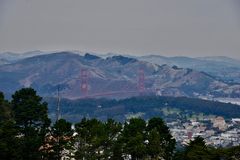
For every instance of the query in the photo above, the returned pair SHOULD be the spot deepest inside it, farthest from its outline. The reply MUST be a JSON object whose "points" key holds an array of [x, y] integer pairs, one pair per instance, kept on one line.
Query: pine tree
{"points": [[161, 143], [9, 144], [31, 118]]}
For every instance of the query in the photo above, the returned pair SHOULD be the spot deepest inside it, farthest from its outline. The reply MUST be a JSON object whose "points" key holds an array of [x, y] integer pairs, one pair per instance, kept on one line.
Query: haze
{"points": [[165, 27]]}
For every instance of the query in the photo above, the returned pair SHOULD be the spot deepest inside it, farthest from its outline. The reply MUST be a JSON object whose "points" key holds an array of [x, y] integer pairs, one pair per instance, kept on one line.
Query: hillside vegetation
{"points": [[145, 107], [26, 133]]}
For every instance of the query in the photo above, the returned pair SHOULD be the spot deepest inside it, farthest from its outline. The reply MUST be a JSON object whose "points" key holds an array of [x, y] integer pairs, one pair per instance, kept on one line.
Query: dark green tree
{"points": [[59, 141], [117, 150], [154, 148], [9, 146], [91, 139], [81, 139], [112, 130], [161, 144], [96, 139], [198, 150], [31, 118], [232, 153], [133, 138]]}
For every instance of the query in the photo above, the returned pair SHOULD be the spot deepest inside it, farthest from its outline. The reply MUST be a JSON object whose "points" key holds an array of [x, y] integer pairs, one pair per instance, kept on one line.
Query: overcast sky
{"points": [[165, 27]]}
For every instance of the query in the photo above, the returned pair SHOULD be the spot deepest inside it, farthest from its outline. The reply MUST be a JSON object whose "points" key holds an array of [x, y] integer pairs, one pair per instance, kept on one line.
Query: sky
{"points": [[192, 28]]}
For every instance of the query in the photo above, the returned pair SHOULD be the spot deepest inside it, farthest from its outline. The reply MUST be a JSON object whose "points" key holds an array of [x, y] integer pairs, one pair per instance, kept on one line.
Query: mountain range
{"points": [[115, 76], [222, 68]]}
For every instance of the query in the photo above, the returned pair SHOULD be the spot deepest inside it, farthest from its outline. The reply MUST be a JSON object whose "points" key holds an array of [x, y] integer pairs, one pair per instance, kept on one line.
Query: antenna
{"points": [[58, 105]]}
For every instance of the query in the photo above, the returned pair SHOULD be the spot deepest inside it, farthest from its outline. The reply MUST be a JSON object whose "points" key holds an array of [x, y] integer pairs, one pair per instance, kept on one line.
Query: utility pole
{"points": [[58, 105]]}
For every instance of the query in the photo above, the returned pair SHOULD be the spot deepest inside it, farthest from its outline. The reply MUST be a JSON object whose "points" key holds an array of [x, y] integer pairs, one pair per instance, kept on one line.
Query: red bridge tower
{"points": [[84, 82], [141, 79]]}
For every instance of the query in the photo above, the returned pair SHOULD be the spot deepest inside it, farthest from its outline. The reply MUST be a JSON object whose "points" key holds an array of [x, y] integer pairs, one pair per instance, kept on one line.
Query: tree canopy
{"points": [[31, 120], [26, 133]]}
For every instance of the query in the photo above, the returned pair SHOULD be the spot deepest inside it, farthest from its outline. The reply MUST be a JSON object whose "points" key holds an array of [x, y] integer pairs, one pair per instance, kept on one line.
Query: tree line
{"points": [[75, 110], [26, 133]]}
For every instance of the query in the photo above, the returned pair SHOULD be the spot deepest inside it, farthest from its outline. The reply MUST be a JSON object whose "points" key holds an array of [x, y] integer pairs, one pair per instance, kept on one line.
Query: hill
{"points": [[223, 68], [116, 74], [144, 107]]}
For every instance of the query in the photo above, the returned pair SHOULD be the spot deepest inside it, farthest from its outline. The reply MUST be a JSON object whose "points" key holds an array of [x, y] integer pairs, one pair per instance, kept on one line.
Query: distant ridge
{"points": [[221, 67], [116, 73]]}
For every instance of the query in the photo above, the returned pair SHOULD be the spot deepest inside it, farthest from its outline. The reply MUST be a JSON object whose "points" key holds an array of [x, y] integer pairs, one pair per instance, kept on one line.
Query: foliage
{"points": [[31, 120], [134, 137], [9, 146], [161, 143], [25, 133], [95, 139], [150, 106], [197, 150], [58, 143]]}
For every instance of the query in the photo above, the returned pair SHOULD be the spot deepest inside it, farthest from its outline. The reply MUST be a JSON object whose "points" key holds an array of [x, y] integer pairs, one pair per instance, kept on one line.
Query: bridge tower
{"points": [[84, 82], [141, 79]]}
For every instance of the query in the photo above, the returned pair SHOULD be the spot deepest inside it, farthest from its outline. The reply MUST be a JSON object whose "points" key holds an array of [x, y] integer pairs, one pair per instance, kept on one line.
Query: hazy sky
{"points": [[166, 27]]}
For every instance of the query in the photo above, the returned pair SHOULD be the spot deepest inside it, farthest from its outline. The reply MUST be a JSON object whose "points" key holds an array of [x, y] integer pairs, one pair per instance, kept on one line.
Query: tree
{"points": [[154, 147], [91, 139], [58, 143], [9, 146], [198, 150], [81, 139], [161, 143], [96, 139], [113, 130], [31, 118], [117, 150], [230, 153], [133, 138], [5, 109]]}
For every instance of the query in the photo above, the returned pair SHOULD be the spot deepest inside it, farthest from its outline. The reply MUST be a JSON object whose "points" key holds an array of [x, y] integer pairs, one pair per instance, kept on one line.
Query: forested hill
{"points": [[145, 107]]}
